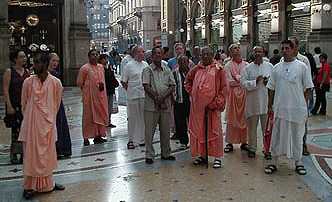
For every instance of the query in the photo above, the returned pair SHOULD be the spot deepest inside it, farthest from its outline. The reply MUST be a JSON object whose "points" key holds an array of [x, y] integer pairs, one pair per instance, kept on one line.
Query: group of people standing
{"points": [[249, 92], [188, 94]]}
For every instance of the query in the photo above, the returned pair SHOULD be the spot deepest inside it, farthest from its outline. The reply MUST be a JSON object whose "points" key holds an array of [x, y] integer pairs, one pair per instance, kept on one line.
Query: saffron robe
{"points": [[207, 88], [40, 104], [95, 104], [236, 129]]}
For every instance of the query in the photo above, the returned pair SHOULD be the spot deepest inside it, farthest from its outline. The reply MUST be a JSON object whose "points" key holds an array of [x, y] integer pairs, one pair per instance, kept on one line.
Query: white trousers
{"points": [[135, 113], [287, 139]]}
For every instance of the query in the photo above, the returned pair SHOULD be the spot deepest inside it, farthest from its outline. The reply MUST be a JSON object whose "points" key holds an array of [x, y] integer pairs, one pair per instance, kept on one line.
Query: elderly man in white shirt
{"points": [[288, 86], [131, 80], [254, 78]]}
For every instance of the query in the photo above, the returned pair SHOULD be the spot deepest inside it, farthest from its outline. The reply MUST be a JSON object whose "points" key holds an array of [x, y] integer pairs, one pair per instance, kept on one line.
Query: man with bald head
{"points": [[131, 80], [207, 87], [254, 79], [236, 129]]}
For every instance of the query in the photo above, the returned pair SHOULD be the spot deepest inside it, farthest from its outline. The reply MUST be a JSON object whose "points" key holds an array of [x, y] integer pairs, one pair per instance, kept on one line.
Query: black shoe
{"points": [[112, 126], [27, 194], [148, 161], [86, 142], [98, 140], [322, 113], [313, 113], [175, 137], [305, 151], [14, 159], [244, 147], [251, 154], [141, 145], [169, 158], [58, 187]]}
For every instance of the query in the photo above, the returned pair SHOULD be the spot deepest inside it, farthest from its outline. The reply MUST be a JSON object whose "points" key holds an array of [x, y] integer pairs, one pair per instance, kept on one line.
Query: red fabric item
{"points": [[325, 68], [268, 133]]}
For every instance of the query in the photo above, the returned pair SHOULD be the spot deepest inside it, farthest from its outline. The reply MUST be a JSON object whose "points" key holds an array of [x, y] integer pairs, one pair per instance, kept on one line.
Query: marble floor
{"points": [[110, 172]]}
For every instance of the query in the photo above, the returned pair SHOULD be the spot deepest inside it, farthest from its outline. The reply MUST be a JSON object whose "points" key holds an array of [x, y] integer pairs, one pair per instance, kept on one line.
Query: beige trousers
{"points": [[151, 121], [252, 122]]}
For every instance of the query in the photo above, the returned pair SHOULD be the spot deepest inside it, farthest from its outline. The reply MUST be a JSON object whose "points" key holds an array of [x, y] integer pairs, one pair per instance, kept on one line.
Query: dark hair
{"points": [[165, 49], [317, 50], [217, 56], [13, 55], [323, 55], [296, 41], [275, 51], [90, 51], [42, 58], [154, 49], [102, 56], [289, 42]]}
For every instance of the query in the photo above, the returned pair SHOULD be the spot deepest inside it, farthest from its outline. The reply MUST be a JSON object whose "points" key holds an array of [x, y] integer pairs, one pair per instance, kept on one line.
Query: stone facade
{"points": [[73, 40], [259, 22], [134, 22]]}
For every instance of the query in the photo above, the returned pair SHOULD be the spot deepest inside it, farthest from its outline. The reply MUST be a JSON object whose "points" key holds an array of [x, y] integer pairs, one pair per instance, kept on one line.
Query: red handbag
{"points": [[268, 133]]}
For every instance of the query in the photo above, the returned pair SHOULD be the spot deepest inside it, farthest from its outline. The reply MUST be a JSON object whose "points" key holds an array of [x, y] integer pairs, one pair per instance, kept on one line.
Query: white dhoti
{"points": [[287, 139], [135, 113]]}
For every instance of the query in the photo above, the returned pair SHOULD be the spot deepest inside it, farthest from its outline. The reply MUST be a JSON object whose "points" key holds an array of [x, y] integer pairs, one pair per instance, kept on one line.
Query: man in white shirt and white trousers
{"points": [[310, 98], [131, 80], [289, 84], [254, 78]]}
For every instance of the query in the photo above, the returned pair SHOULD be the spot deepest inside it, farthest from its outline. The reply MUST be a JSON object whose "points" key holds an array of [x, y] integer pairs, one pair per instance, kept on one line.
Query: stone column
{"points": [[76, 39], [4, 40], [321, 26], [228, 30], [278, 23], [247, 27]]}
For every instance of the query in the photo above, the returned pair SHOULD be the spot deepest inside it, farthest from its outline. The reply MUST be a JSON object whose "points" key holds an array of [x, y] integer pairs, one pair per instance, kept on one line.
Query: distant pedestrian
{"points": [[322, 85], [275, 59], [317, 51]]}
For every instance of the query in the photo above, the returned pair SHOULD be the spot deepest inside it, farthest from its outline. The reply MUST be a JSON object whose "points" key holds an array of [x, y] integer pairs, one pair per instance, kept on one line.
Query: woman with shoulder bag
{"points": [[322, 85], [13, 79]]}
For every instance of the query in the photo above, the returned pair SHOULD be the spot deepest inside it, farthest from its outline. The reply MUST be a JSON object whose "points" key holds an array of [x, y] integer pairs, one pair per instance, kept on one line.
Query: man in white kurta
{"points": [[310, 98], [288, 86], [131, 80], [254, 79]]}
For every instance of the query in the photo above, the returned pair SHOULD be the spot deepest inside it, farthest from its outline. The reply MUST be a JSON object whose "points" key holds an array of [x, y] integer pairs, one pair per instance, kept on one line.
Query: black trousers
{"points": [[181, 116], [320, 101]]}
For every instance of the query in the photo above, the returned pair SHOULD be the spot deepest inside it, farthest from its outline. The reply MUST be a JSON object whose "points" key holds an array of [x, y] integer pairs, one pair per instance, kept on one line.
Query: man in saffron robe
{"points": [[206, 84], [41, 98], [91, 80], [236, 129]]}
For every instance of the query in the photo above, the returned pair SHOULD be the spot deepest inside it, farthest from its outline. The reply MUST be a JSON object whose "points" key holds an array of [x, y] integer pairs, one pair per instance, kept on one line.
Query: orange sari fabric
{"points": [[95, 107], [208, 91]]}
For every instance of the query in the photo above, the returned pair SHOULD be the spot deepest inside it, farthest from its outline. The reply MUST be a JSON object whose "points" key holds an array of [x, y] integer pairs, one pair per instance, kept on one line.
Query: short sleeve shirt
{"points": [[133, 75], [160, 81]]}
